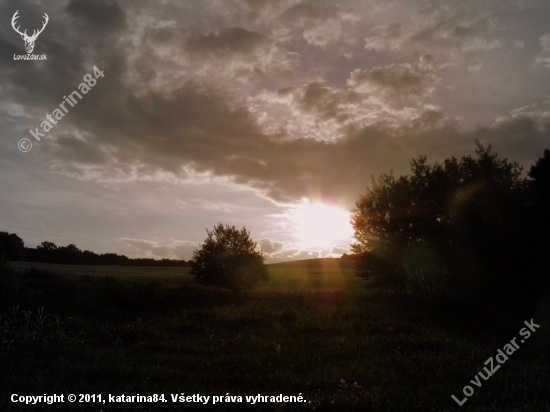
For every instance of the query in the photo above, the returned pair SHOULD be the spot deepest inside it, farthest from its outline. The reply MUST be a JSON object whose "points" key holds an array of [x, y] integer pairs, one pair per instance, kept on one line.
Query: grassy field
{"points": [[312, 330], [125, 274]]}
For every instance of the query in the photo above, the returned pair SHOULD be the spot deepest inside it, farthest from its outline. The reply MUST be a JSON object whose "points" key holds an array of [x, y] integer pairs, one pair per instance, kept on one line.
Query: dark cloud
{"points": [[388, 38], [79, 151], [319, 24], [270, 247], [233, 41], [268, 6], [311, 11], [328, 103], [198, 130], [440, 25], [399, 84], [98, 16], [232, 54], [521, 135]]}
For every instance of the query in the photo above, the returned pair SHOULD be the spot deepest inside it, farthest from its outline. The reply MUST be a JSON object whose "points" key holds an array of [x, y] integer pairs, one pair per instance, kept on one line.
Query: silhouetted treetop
{"points": [[229, 258]]}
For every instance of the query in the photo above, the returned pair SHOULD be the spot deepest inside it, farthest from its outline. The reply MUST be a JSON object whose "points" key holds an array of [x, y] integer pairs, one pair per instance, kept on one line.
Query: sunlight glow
{"points": [[317, 224]]}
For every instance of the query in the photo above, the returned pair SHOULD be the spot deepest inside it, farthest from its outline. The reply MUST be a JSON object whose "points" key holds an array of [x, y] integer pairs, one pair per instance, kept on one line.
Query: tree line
{"points": [[227, 258], [12, 248], [472, 226]]}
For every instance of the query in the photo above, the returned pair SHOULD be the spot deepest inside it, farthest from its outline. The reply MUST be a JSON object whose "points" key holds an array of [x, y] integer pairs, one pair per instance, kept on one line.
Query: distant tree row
{"points": [[472, 226], [12, 248], [227, 258]]}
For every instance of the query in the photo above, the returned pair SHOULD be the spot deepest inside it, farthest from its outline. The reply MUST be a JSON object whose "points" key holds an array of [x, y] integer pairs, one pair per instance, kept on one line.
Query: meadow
{"points": [[313, 330]]}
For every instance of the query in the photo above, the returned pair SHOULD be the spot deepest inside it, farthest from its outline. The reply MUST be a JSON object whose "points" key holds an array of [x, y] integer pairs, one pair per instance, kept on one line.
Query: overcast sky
{"points": [[251, 112]]}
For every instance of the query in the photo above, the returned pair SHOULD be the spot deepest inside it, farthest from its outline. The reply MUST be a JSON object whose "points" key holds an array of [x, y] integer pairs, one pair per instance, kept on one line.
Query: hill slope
{"points": [[325, 263]]}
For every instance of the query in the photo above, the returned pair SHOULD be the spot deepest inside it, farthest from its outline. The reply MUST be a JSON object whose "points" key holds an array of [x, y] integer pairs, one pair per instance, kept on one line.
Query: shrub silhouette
{"points": [[228, 258]]}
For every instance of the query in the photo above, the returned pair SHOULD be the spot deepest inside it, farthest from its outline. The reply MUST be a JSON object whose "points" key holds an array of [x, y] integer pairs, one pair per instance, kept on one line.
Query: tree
{"points": [[11, 247], [450, 224], [70, 255], [47, 246], [539, 189], [229, 258], [537, 219]]}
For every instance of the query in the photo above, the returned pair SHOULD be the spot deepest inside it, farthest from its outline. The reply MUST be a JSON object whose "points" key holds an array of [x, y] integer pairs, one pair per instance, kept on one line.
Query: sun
{"points": [[320, 225]]}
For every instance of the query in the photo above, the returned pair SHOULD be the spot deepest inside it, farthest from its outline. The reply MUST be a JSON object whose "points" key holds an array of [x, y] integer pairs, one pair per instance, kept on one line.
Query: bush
{"points": [[228, 258]]}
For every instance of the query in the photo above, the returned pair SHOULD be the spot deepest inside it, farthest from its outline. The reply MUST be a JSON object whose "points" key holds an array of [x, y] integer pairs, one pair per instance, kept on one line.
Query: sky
{"points": [[268, 114]]}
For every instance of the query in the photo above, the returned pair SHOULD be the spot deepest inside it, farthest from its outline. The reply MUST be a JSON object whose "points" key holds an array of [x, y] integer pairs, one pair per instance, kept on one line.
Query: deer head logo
{"points": [[29, 40]]}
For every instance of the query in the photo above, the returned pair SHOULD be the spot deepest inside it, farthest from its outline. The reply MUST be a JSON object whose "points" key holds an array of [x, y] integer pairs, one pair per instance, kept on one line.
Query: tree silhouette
{"points": [[453, 224], [536, 218], [12, 247], [228, 258], [49, 252]]}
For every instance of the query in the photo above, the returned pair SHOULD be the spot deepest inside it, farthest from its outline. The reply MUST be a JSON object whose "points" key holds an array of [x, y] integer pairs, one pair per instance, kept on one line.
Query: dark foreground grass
{"points": [[320, 336]]}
